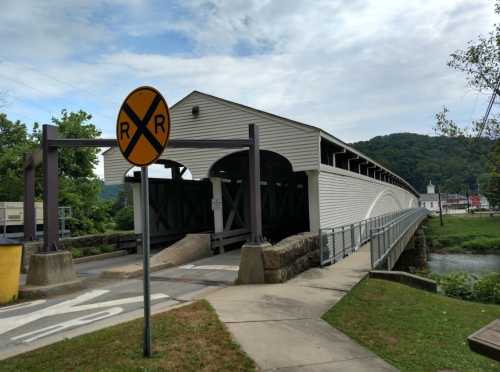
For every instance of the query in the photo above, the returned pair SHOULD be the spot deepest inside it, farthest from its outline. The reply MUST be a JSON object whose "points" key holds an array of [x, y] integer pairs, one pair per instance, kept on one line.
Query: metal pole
{"points": [[145, 255], [50, 191], [254, 185], [467, 196], [440, 208]]}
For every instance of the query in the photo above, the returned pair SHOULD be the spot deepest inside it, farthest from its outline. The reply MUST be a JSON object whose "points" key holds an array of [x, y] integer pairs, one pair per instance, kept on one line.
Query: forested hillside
{"points": [[452, 163]]}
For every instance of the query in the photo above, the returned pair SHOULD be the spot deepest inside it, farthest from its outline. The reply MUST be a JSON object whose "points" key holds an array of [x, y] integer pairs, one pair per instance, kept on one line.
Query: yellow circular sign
{"points": [[143, 126]]}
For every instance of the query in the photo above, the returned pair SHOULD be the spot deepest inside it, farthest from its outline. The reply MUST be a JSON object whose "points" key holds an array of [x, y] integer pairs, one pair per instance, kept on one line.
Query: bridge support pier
{"points": [[415, 254]]}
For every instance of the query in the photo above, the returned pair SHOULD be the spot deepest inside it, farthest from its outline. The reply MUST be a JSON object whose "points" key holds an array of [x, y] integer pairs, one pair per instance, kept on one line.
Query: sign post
{"points": [[145, 258], [142, 131]]}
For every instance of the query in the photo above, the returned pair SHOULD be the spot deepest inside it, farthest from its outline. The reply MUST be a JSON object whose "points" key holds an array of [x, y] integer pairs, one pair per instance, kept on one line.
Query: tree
{"points": [[492, 189], [447, 161], [14, 143], [480, 62], [79, 187]]}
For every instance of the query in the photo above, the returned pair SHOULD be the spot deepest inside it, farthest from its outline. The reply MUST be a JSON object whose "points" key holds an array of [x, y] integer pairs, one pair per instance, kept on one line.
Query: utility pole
{"points": [[440, 208], [467, 196]]}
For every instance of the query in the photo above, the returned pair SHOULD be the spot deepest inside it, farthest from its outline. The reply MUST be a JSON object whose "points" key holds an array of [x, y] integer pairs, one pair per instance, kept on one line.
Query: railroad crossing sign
{"points": [[142, 131], [143, 126]]}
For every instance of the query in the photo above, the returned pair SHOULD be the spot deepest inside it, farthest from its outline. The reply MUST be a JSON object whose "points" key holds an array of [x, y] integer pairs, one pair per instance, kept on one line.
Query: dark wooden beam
{"points": [[173, 143], [50, 191]]}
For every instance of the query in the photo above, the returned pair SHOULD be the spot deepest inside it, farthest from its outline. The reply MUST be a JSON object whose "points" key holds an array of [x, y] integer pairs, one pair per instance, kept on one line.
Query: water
{"points": [[470, 263]]}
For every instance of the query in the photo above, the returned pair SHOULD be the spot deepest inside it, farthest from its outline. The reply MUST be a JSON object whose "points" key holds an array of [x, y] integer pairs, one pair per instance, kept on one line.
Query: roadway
{"points": [[104, 302]]}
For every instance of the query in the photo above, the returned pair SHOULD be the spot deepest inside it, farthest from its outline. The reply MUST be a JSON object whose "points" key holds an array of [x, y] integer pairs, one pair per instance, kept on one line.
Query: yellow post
{"points": [[10, 269]]}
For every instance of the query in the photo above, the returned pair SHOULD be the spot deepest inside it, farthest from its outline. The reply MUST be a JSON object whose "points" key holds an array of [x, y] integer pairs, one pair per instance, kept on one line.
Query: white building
{"points": [[310, 179]]}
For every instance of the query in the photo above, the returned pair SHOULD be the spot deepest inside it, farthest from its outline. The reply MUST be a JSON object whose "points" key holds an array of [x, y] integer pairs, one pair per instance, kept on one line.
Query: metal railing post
{"points": [[352, 238], [334, 253], [372, 249], [343, 241], [320, 248]]}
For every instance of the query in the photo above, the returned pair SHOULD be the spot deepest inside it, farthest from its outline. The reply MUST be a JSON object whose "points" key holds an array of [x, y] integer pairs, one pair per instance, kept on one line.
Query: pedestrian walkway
{"points": [[280, 325]]}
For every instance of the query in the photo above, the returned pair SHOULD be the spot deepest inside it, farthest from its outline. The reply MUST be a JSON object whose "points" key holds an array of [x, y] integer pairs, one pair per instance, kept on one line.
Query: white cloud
{"points": [[356, 68]]}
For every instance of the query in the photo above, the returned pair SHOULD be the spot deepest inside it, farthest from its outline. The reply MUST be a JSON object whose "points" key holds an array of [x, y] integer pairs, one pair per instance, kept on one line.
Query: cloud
{"points": [[357, 69]]}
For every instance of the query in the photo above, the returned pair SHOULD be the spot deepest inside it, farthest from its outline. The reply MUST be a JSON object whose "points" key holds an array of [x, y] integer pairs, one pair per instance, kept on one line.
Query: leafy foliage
{"points": [[125, 218], [14, 143], [79, 187], [465, 286], [452, 163], [493, 183], [480, 62]]}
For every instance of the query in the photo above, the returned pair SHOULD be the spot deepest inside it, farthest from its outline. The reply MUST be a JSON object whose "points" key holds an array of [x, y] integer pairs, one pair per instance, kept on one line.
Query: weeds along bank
{"points": [[470, 236]]}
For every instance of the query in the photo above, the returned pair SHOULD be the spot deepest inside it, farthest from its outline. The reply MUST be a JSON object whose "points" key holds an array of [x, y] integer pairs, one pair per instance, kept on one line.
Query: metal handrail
{"points": [[64, 213], [340, 241], [385, 238]]}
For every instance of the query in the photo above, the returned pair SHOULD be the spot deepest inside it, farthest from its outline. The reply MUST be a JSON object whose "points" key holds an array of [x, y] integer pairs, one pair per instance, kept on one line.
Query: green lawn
{"points": [[412, 329], [189, 338], [465, 234]]}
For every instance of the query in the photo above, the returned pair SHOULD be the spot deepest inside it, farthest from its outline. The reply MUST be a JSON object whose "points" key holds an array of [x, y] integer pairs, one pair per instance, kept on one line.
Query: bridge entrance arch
{"points": [[284, 195], [178, 204]]}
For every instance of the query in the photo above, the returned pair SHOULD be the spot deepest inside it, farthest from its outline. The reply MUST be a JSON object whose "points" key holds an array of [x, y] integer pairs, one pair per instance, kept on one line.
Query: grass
{"points": [[464, 234], [91, 251], [412, 329], [190, 338]]}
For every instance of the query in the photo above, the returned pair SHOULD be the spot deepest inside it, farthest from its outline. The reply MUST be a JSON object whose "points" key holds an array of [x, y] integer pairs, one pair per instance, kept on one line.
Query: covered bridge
{"points": [[309, 178]]}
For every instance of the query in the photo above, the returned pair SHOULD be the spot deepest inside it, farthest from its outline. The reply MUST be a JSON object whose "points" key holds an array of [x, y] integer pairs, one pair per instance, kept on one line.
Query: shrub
{"points": [[76, 253], [482, 244], [106, 248], [458, 285], [94, 251], [487, 289], [125, 218]]}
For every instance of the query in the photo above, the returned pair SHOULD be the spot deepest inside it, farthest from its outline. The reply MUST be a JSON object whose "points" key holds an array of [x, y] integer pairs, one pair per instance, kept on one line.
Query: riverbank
{"points": [[464, 234], [412, 329]]}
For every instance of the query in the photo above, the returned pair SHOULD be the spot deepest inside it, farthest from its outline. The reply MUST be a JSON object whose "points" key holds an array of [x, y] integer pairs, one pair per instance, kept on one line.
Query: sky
{"points": [[355, 68]]}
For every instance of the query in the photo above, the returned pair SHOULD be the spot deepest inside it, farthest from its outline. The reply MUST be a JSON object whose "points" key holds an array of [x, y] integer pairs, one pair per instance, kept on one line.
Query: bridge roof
{"points": [[322, 132]]}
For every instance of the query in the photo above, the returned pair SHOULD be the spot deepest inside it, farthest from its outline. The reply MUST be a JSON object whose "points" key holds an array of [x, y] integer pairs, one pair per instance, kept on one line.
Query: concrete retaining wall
{"points": [[75, 242], [290, 257], [408, 279]]}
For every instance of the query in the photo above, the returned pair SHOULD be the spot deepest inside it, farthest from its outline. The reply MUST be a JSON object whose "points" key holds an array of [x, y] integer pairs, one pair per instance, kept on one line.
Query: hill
{"points": [[110, 192], [453, 163]]}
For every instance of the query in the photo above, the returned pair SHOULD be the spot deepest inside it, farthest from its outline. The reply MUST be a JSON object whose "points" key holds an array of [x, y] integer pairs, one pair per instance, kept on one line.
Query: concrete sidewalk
{"points": [[280, 325]]}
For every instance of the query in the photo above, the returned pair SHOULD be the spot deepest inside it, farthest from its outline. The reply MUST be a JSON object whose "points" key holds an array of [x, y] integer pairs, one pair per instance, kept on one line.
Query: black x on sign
{"points": [[143, 126]]}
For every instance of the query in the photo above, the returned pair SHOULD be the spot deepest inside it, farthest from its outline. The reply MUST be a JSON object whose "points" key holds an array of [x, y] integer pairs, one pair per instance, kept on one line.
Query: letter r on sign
{"points": [[159, 121], [124, 127]]}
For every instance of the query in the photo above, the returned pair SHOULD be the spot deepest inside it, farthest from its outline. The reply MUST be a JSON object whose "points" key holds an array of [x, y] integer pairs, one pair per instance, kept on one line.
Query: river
{"points": [[471, 263]]}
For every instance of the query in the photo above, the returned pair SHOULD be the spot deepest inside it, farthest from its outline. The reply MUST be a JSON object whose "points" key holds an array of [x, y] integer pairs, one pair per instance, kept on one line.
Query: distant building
{"points": [[431, 199], [431, 189], [451, 203], [479, 202]]}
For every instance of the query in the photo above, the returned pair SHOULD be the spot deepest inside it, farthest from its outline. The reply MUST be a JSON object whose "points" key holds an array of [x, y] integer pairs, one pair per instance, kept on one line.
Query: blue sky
{"points": [[356, 68]]}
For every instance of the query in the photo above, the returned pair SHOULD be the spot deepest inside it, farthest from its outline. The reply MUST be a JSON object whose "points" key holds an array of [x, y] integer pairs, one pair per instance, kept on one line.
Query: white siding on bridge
{"points": [[347, 197], [220, 119]]}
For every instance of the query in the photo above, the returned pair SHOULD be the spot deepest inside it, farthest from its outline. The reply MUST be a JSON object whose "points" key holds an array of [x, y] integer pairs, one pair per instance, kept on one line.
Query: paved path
{"points": [[30, 325], [280, 326]]}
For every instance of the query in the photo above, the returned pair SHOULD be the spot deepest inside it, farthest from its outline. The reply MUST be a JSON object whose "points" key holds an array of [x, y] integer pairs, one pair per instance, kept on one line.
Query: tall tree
{"points": [[480, 62], [14, 143], [79, 187]]}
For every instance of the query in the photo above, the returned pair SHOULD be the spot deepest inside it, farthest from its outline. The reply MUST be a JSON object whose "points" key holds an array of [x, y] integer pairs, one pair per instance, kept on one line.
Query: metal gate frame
{"points": [[47, 155]]}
